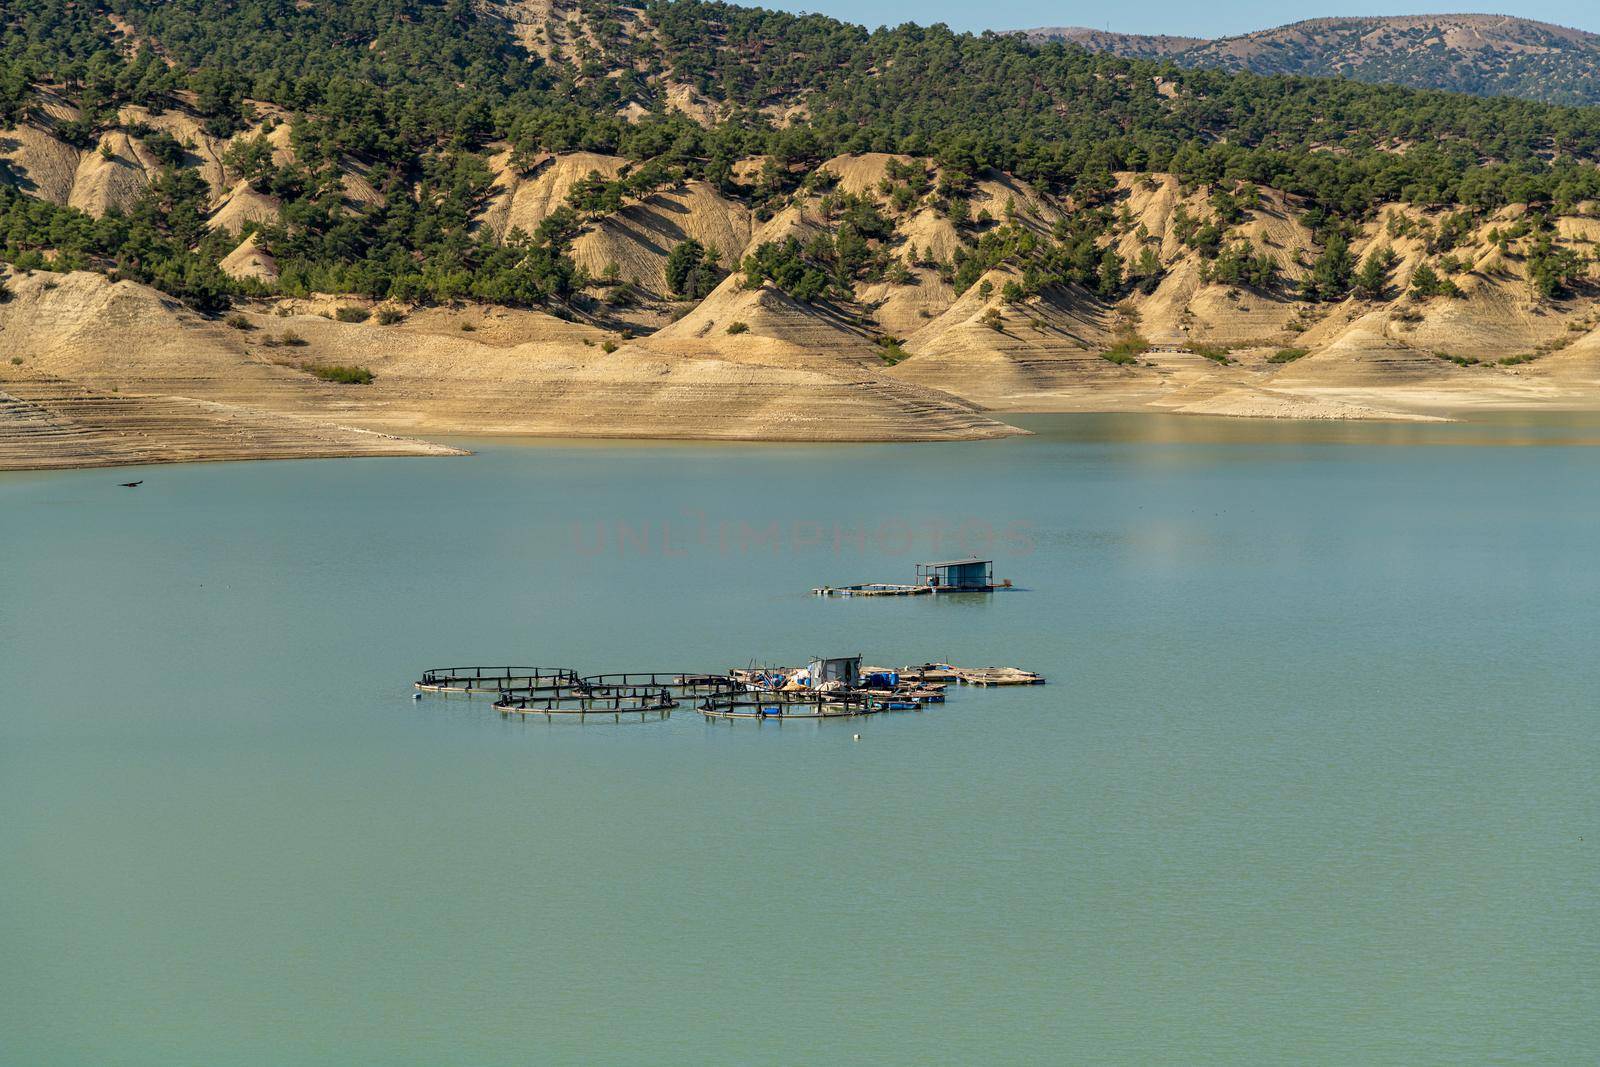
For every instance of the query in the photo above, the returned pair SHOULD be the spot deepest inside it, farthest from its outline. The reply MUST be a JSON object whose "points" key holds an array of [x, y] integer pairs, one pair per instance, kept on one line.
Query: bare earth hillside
{"points": [[98, 363], [106, 373], [664, 264]]}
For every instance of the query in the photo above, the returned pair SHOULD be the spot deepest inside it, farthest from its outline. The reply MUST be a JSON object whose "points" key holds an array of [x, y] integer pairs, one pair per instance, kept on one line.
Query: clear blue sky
{"points": [[1182, 17]]}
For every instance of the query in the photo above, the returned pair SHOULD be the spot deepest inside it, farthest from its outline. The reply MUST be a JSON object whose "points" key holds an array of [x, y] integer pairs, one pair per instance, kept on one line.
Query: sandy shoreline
{"points": [[173, 430]]}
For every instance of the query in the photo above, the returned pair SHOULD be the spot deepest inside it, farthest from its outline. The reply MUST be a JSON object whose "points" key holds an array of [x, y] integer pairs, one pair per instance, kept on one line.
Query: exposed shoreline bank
{"points": [[240, 435], [111, 373]]}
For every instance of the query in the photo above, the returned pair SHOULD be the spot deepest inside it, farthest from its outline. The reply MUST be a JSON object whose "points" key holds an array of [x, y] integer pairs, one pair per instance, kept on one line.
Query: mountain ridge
{"points": [[1482, 54]]}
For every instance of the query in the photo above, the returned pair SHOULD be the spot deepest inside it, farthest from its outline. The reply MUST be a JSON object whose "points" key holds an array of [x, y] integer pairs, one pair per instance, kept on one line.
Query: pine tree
{"points": [[1110, 275], [1148, 269], [1425, 281], [1373, 277], [1330, 275]]}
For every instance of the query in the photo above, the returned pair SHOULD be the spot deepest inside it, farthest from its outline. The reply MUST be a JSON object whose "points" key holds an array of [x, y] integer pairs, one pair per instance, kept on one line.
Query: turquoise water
{"points": [[1314, 778]]}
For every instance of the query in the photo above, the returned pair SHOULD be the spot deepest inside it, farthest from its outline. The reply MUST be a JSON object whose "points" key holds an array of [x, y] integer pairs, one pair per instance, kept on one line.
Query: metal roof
{"points": [[958, 562]]}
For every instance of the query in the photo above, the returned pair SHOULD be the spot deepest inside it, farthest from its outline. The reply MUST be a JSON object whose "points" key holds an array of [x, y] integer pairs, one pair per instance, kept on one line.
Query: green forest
{"points": [[417, 91]]}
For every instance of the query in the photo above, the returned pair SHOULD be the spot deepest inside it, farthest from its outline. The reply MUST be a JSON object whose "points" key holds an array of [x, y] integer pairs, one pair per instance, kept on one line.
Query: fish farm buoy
{"points": [[855, 737], [416, 696]]}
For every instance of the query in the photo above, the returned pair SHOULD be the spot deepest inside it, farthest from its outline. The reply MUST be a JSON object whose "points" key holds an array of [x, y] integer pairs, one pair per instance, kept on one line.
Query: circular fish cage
{"points": [[587, 700], [671, 681], [560, 692], [492, 681], [763, 705]]}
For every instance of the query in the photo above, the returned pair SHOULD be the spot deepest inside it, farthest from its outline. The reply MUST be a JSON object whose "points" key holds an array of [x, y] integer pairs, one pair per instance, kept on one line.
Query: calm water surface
{"points": [[1314, 779]]}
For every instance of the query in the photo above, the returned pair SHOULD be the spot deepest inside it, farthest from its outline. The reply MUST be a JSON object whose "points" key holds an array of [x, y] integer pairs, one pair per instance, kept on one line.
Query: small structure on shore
{"points": [[946, 576]]}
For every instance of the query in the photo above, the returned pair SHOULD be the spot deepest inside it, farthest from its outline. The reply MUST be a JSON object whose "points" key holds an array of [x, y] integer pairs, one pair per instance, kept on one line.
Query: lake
{"points": [[1313, 779]]}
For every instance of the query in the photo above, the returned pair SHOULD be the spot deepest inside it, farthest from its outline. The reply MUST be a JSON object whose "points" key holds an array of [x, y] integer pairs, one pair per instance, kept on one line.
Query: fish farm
{"points": [[826, 688]]}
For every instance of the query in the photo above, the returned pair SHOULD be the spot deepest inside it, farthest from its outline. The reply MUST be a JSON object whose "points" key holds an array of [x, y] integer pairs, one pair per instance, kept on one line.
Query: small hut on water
{"points": [[947, 576], [958, 575]]}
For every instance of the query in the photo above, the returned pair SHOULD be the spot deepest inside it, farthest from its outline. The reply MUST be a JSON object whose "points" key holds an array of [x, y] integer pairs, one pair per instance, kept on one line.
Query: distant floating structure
{"points": [[971, 575]]}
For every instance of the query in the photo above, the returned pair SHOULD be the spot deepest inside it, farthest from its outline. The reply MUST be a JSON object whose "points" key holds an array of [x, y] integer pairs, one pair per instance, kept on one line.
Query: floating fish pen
{"points": [[584, 701], [802, 704], [492, 681], [673, 681]]}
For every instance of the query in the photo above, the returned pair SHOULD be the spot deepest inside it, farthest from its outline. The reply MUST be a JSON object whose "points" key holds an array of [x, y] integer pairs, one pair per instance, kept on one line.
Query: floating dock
{"points": [[922, 672], [997, 676], [872, 589]]}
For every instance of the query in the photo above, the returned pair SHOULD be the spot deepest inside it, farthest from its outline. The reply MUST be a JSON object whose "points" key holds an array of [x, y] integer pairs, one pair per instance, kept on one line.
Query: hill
{"points": [[689, 219], [1488, 55]]}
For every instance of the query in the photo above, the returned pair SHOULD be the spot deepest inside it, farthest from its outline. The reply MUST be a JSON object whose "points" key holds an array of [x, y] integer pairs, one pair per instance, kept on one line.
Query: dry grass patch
{"points": [[1215, 353], [340, 373], [890, 352], [1127, 349]]}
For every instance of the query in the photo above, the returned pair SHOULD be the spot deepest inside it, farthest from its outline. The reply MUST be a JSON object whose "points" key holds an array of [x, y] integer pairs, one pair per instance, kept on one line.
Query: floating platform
{"points": [[873, 589], [997, 676], [876, 681], [892, 589], [923, 672]]}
